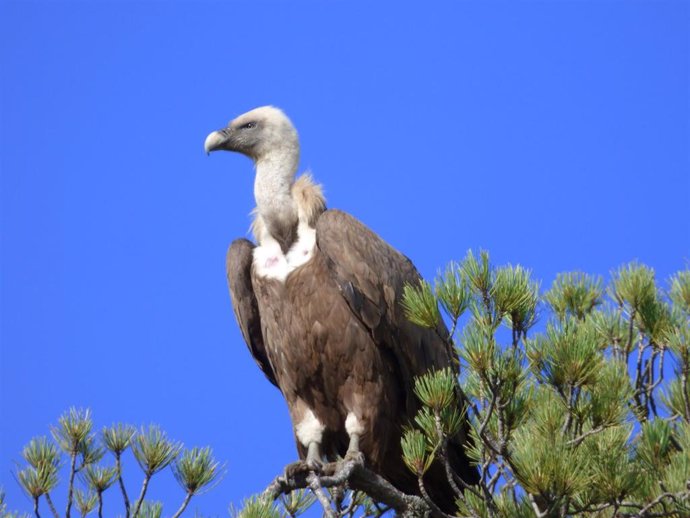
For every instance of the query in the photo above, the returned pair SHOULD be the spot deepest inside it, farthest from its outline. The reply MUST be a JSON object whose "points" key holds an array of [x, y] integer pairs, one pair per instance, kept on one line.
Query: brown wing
{"points": [[371, 275], [238, 266]]}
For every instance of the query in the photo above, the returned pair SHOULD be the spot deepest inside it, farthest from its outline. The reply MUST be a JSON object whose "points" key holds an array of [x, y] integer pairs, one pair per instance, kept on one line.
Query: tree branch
{"points": [[358, 478], [142, 494], [578, 440], [52, 506], [70, 487], [184, 504], [315, 486], [118, 466]]}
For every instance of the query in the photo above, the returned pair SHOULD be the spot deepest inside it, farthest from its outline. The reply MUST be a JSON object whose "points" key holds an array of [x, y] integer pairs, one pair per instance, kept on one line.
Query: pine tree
{"points": [[195, 469], [587, 417]]}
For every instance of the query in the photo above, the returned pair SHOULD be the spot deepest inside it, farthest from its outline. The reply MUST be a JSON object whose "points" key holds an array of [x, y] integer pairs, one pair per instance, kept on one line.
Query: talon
{"points": [[355, 456], [296, 468], [314, 465]]}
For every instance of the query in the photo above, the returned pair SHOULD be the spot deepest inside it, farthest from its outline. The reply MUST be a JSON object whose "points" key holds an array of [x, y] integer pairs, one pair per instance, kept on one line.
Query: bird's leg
{"points": [[314, 456], [309, 432], [353, 452], [354, 429]]}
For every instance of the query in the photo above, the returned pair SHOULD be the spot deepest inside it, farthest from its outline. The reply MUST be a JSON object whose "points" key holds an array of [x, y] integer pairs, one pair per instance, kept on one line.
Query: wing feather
{"points": [[238, 267], [371, 275]]}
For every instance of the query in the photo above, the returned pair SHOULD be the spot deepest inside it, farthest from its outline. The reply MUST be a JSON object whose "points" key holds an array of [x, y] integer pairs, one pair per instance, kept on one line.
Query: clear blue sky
{"points": [[553, 134]]}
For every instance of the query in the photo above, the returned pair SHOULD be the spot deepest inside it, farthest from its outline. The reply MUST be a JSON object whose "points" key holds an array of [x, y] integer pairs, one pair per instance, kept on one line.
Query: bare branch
{"points": [[51, 505], [142, 494], [70, 487], [315, 486], [184, 504], [435, 510], [578, 440], [358, 478], [118, 466]]}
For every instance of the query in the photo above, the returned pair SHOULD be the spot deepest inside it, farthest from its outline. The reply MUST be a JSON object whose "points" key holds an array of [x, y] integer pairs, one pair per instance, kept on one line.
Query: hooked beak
{"points": [[217, 140]]}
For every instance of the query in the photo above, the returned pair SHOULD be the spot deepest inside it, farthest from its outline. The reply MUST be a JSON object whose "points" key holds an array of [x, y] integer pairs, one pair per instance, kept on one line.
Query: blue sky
{"points": [[554, 134]]}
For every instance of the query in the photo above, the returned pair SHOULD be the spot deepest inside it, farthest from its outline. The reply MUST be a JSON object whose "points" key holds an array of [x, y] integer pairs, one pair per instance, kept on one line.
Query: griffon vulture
{"points": [[318, 302]]}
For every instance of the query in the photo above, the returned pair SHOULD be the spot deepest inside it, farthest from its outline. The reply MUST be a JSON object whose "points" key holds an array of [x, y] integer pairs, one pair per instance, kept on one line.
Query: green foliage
{"points": [[420, 305], [680, 291], [610, 468], [676, 398], [73, 429], [437, 390], [452, 291], [40, 451], [153, 450], [514, 297], [581, 419], [588, 418], [196, 469], [150, 510], [118, 437], [610, 328], [100, 478], [416, 452], [574, 295], [86, 501], [36, 482], [604, 403], [256, 507], [566, 355], [654, 445], [478, 273], [297, 502], [91, 452], [545, 464], [633, 284]]}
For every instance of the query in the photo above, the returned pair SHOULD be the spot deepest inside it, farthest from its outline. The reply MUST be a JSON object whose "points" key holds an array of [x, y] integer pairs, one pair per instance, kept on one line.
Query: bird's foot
{"points": [[353, 452], [303, 467], [355, 456]]}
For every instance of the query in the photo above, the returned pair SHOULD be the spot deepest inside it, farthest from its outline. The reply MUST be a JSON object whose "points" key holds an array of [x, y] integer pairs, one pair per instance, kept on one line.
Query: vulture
{"points": [[318, 301]]}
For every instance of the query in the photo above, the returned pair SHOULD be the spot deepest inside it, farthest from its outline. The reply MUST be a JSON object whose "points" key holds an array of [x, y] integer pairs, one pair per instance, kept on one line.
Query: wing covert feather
{"points": [[238, 267], [371, 275]]}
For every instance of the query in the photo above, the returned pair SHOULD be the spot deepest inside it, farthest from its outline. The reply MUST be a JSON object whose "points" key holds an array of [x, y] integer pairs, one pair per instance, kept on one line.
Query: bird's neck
{"points": [[275, 174]]}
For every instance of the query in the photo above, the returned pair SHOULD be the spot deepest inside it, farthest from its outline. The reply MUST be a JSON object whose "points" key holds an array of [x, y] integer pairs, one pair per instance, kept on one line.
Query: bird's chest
{"points": [[271, 263], [302, 318]]}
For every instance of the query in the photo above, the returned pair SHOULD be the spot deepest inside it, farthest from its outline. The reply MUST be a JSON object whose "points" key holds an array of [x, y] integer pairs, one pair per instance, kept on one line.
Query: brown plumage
{"points": [[321, 314]]}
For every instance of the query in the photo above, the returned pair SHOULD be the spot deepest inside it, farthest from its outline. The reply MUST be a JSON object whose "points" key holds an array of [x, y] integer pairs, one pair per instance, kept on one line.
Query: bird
{"points": [[318, 301]]}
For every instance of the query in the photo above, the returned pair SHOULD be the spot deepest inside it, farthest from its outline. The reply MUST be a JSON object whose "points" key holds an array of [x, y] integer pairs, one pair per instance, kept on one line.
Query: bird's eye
{"points": [[249, 125]]}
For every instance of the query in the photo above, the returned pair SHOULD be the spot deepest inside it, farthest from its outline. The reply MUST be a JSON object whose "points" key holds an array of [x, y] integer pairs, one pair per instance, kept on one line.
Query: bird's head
{"points": [[256, 134]]}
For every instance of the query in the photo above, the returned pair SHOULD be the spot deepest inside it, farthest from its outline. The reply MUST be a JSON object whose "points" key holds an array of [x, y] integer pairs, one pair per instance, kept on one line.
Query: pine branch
{"points": [[580, 438], [184, 504], [142, 494], [435, 510], [317, 490], [118, 467], [36, 506], [684, 388], [100, 504], [70, 487], [51, 506]]}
